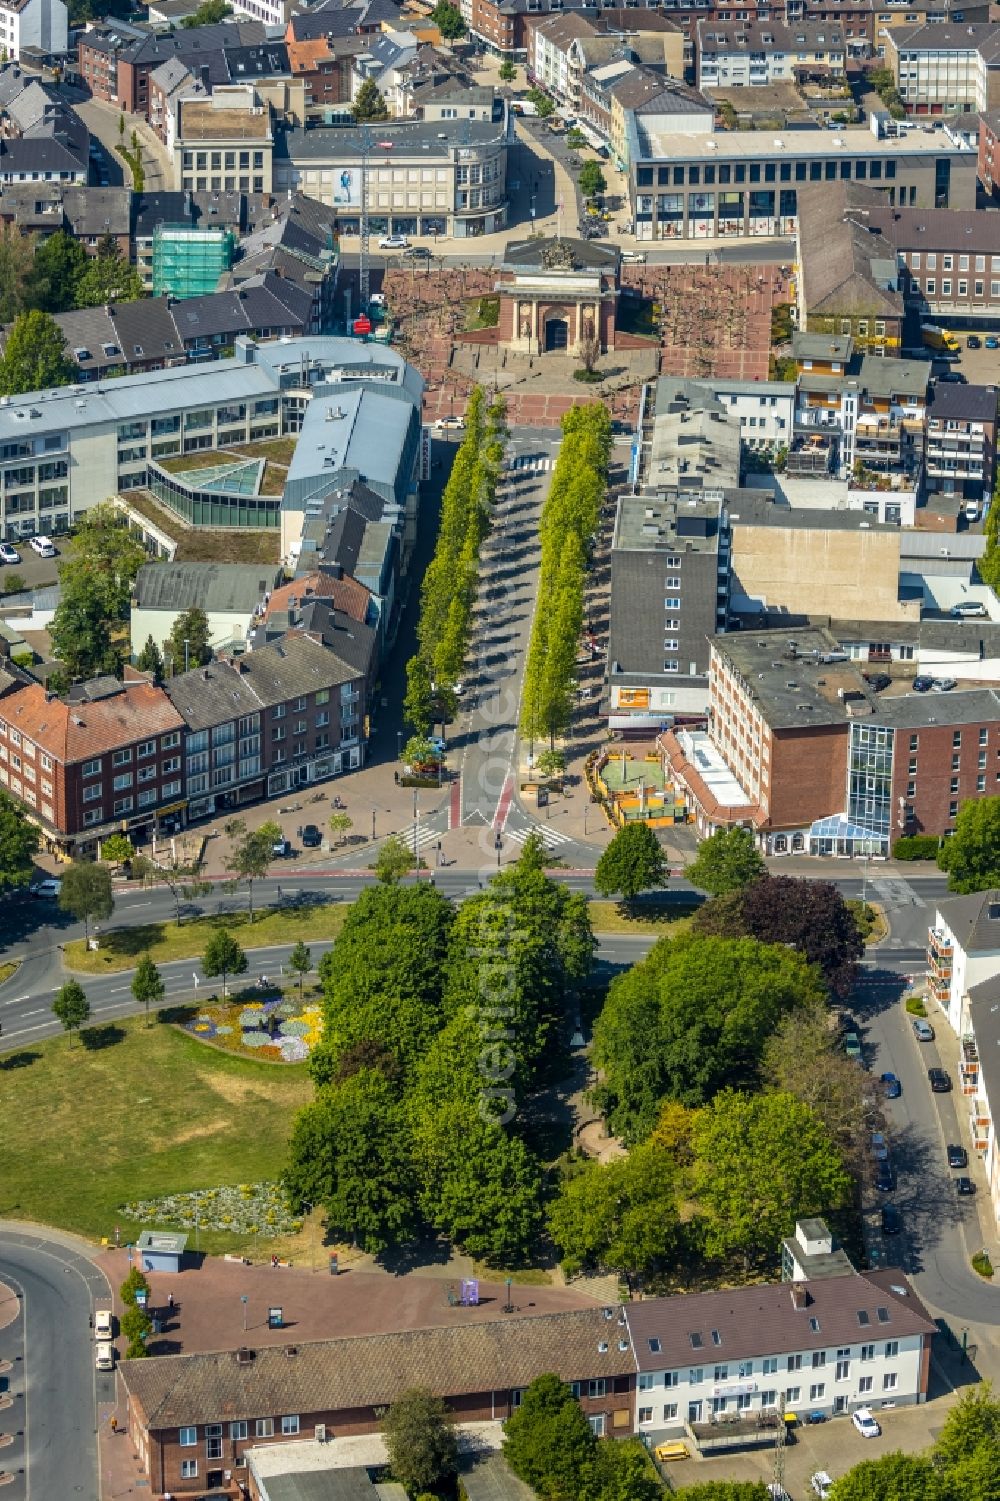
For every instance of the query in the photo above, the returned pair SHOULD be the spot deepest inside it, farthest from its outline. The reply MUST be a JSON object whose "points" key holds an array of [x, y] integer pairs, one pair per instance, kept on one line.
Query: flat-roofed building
{"points": [[224, 142], [741, 184]]}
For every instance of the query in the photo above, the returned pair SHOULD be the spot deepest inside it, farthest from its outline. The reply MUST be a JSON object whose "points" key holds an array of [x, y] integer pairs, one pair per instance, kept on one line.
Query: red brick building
{"points": [[192, 1417], [556, 294], [803, 750]]}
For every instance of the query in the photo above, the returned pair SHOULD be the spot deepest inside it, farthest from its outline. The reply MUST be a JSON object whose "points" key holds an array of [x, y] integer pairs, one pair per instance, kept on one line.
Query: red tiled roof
{"points": [[77, 731], [345, 593]]}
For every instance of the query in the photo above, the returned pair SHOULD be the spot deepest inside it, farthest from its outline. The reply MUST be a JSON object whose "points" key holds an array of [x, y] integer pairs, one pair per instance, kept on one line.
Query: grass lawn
{"points": [[121, 947], [9, 969], [140, 1113], [662, 922], [247, 546], [482, 312]]}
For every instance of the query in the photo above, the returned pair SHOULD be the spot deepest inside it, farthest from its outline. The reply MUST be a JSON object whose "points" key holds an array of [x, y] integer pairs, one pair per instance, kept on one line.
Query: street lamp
{"points": [[373, 823], [399, 745]]}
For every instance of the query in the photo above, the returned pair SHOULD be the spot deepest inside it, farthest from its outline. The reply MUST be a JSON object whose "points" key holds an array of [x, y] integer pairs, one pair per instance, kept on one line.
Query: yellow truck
{"points": [[939, 338]]}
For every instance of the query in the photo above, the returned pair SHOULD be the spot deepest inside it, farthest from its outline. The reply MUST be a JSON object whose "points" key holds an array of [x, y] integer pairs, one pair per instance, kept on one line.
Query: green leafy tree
{"points": [[188, 644], [369, 105], [58, 264], [892, 1477], [18, 845], [417, 703], [690, 1019], [418, 751], [619, 1471], [300, 963], [71, 1006], [393, 861], [551, 762], [106, 547], [618, 1216], [86, 893], [592, 180], [34, 356], [480, 1185], [81, 633], [547, 1441], [420, 1442], [136, 1326], [966, 1453], [809, 916], [508, 72], [632, 863], [544, 106], [350, 1151], [727, 861], [972, 855], [208, 13], [117, 849], [223, 956], [252, 853], [448, 20], [121, 125], [341, 825], [150, 659], [108, 277], [147, 984], [761, 1163], [135, 1282], [384, 985], [726, 1490], [16, 262]]}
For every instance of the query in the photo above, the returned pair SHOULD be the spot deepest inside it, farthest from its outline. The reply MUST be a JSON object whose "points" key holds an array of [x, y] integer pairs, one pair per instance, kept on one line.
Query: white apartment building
{"points": [[831, 1344], [33, 23], [963, 977], [940, 68], [748, 53]]}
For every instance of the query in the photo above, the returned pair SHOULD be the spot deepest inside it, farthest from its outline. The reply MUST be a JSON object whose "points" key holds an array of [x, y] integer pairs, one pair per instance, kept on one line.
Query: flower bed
{"points": [[276, 1028], [243, 1209]]}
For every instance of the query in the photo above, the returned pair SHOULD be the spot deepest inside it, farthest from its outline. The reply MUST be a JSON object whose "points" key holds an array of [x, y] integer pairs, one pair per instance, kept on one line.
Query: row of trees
{"points": [[570, 517], [56, 274], [438, 1028], [448, 594]]}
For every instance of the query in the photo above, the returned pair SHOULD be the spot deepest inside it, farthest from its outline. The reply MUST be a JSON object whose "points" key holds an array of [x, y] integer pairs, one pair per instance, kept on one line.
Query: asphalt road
{"points": [[58, 1395]]}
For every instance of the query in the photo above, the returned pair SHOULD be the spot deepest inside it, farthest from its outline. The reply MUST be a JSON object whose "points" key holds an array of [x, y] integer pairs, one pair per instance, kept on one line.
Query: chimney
{"points": [[800, 1295]]}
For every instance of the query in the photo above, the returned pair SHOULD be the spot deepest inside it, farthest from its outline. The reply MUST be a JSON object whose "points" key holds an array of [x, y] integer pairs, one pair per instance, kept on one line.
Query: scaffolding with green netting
{"points": [[187, 262]]}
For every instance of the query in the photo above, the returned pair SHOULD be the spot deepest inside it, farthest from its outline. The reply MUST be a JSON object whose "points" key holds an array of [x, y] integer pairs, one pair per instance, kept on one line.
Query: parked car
{"points": [[944, 685], [852, 1045], [973, 609], [394, 242], [991, 341], [674, 1449], [43, 546], [9, 554], [821, 1484], [940, 1080], [922, 683], [885, 1178], [965, 1185], [880, 1147], [104, 1324], [922, 1030], [973, 342], [893, 1088], [865, 1422], [892, 1220], [877, 681], [50, 887], [104, 1356], [417, 253], [957, 1156], [450, 425], [281, 849], [953, 378], [311, 837]]}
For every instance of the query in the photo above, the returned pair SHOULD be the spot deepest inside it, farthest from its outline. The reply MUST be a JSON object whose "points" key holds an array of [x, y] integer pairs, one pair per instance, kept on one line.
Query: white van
{"points": [[104, 1356], [103, 1324], [634, 257]]}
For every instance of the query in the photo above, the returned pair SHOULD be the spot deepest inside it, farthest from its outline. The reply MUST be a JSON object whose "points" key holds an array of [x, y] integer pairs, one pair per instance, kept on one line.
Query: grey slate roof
{"points": [[371, 1370], [590, 254], [754, 1321], [211, 695], [97, 211], [974, 920], [322, 1485], [203, 586], [963, 403]]}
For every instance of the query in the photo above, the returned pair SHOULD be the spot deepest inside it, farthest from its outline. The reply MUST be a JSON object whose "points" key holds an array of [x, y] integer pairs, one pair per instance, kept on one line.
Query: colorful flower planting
{"points": [[276, 1028], [244, 1209]]}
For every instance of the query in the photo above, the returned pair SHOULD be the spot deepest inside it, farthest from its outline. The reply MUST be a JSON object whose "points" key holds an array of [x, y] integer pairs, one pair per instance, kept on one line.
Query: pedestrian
{"points": [[90, 1320], [170, 1300], [114, 1425]]}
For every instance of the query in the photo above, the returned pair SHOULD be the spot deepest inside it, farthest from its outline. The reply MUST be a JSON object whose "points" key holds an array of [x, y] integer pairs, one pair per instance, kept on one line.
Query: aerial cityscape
{"points": [[499, 750]]}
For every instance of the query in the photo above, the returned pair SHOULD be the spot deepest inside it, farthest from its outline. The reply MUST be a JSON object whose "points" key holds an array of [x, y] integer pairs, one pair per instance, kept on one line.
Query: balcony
{"points": [[968, 1066], [940, 952], [980, 1123]]}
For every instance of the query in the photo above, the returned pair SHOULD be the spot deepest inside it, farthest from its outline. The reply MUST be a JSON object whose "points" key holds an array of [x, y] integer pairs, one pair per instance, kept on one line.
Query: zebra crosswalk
{"points": [[549, 836], [424, 835], [530, 463]]}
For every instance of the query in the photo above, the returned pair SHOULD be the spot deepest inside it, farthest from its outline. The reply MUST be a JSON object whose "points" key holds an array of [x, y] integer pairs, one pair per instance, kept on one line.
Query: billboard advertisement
{"points": [[347, 187]]}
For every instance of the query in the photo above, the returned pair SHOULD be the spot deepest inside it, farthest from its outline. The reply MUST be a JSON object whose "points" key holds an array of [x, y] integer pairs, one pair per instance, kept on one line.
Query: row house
{"points": [[963, 979], [115, 756], [939, 69], [717, 1368], [765, 52], [949, 261]]}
